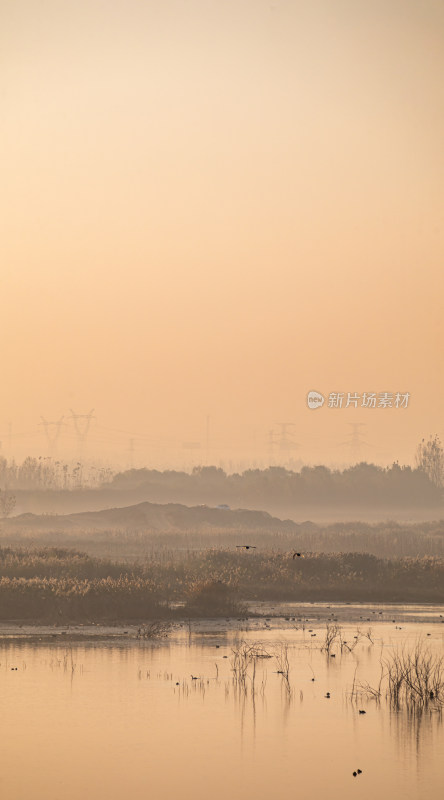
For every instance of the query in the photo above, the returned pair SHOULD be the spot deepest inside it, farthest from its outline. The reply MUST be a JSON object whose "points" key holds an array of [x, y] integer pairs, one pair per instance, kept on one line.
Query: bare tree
{"points": [[430, 459], [7, 504]]}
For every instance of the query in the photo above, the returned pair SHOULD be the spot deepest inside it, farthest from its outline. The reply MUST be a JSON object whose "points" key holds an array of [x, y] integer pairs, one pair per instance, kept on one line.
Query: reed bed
{"points": [[415, 677], [38, 583], [409, 677]]}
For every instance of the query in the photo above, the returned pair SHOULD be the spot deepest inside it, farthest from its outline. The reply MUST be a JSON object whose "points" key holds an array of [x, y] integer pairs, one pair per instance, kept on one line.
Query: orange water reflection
{"points": [[107, 720]]}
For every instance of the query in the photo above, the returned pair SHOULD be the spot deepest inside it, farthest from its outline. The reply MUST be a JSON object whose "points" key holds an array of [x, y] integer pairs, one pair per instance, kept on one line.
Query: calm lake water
{"points": [[122, 717]]}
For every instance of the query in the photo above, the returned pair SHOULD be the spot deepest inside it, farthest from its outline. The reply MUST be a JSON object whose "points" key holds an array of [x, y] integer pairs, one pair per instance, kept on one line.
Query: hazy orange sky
{"points": [[210, 208]]}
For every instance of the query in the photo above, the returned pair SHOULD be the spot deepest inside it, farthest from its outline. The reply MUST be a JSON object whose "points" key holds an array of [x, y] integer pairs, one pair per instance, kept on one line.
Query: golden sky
{"points": [[211, 207]]}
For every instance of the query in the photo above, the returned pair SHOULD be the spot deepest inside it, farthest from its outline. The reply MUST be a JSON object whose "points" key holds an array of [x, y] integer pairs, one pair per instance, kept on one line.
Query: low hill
{"points": [[151, 517]]}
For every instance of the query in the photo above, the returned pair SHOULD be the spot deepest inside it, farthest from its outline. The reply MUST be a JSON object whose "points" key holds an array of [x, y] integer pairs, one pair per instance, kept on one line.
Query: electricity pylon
{"points": [[271, 444], [82, 424], [285, 440], [355, 443], [52, 433], [131, 454]]}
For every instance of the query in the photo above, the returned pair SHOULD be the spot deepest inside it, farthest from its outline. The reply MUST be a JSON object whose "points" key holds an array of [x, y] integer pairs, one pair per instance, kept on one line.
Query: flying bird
{"points": [[247, 546]]}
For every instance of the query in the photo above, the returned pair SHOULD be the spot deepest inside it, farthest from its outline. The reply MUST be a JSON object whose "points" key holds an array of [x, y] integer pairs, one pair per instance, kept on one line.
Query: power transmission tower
{"points": [[82, 424], [355, 442], [131, 454], [271, 444], [207, 441], [9, 438], [52, 433], [285, 440]]}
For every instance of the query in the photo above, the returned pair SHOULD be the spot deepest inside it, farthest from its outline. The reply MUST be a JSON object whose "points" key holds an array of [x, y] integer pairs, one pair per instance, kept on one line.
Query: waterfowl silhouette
{"points": [[247, 546], [299, 555]]}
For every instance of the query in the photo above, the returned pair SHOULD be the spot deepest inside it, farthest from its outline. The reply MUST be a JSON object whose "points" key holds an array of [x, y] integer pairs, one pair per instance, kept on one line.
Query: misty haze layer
{"points": [[210, 209]]}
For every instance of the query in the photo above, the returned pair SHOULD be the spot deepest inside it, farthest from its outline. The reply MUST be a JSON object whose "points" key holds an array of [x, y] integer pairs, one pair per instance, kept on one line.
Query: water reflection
{"points": [[180, 717]]}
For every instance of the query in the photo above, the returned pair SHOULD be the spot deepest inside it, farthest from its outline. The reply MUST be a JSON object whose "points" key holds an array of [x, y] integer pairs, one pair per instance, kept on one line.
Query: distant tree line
{"points": [[363, 483], [45, 472]]}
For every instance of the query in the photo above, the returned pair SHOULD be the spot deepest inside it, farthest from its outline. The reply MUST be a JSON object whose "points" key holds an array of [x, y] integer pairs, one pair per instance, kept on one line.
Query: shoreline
{"points": [[260, 616]]}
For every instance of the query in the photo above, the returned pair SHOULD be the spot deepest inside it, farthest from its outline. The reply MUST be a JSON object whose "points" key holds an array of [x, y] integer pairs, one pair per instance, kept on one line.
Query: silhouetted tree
{"points": [[430, 459], [7, 504]]}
